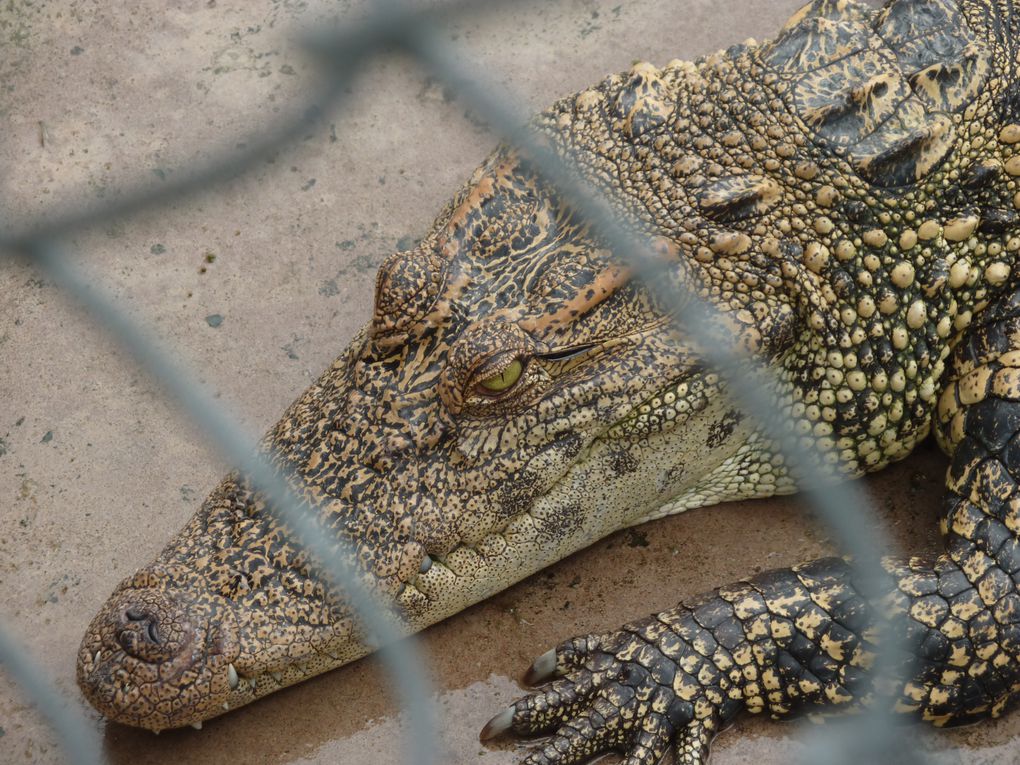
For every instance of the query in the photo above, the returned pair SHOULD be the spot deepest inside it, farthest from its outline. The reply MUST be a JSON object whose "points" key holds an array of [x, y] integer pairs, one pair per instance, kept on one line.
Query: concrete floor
{"points": [[257, 285]]}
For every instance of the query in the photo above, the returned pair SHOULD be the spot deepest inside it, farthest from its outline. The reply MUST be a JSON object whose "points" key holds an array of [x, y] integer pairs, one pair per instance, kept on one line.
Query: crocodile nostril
{"points": [[146, 625], [139, 631]]}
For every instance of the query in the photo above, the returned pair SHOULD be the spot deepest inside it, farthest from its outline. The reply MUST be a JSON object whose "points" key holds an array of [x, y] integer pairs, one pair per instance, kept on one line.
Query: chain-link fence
{"points": [[416, 32]]}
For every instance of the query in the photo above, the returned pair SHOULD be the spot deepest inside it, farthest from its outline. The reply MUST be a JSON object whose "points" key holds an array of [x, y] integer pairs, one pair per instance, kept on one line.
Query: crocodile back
{"points": [[884, 89]]}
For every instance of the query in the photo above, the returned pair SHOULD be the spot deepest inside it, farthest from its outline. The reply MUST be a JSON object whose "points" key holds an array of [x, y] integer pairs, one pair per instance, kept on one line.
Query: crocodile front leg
{"points": [[797, 639], [777, 642]]}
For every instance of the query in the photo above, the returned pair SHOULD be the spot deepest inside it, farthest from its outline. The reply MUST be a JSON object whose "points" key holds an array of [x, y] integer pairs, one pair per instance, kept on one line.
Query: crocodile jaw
{"points": [[622, 479]]}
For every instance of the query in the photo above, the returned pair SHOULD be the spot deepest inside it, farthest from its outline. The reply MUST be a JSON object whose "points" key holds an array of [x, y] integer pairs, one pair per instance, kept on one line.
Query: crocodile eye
{"points": [[502, 382]]}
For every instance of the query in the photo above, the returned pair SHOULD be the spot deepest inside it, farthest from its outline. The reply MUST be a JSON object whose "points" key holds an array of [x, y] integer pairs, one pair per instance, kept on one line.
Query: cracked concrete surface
{"points": [[257, 285]]}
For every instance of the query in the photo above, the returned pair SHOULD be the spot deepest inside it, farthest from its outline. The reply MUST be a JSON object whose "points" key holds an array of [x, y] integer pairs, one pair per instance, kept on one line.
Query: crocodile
{"points": [[845, 196]]}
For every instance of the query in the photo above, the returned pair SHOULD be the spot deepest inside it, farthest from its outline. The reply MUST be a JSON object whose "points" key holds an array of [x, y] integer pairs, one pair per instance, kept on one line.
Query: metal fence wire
{"points": [[415, 31]]}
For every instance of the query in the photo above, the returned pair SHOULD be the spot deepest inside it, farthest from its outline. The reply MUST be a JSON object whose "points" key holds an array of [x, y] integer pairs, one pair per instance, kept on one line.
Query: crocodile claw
{"points": [[615, 692], [498, 725], [543, 668]]}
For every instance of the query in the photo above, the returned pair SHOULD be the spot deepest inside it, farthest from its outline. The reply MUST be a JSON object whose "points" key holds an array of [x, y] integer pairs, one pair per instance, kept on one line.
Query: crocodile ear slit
{"points": [[565, 354]]}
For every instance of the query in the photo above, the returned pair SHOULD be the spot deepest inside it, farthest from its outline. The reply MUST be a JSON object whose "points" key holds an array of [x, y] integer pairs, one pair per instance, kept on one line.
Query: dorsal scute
{"points": [[834, 10], [937, 51], [814, 43], [848, 100], [820, 32], [939, 46], [733, 198], [906, 20], [950, 86], [880, 87], [905, 148], [644, 102]]}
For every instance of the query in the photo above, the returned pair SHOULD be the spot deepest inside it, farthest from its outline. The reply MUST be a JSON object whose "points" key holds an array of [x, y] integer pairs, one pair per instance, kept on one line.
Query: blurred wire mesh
{"points": [[415, 31]]}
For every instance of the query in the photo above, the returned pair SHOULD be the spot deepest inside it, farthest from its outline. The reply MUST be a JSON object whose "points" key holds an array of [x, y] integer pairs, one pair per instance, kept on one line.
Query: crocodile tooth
{"points": [[277, 676], [252, 681], [197, 725], [542, 669], [232, 676], [95, 659], [226, 707]]}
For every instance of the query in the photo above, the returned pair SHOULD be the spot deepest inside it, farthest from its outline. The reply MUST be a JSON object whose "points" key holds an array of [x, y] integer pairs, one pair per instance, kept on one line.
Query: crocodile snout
{"points": [[155, 658], [141, 632]]}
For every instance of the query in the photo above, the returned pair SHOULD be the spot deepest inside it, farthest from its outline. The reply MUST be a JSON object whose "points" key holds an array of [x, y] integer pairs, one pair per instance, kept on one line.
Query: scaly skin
{"points": [[846, 197]]}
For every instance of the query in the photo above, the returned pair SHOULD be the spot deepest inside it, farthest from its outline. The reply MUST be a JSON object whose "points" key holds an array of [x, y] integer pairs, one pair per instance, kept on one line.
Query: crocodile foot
{"points": [[640, 691]]}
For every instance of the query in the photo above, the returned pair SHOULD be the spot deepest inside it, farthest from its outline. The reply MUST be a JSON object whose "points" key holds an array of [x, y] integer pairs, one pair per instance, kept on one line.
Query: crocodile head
{"points": [[516, 396]]}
